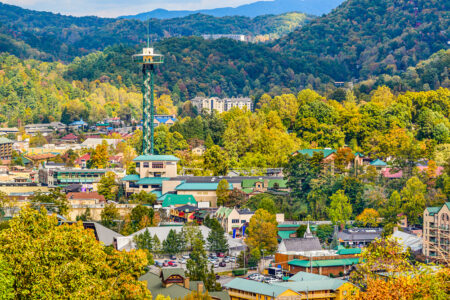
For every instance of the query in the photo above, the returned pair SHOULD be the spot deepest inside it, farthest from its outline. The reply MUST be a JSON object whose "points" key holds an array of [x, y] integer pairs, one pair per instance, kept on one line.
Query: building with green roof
{"points": [[310, 152], [252, 186], [378, 163], [203, 192], [436, 228], [323, 266], [300, 286], [173, 283], [174, 200]]}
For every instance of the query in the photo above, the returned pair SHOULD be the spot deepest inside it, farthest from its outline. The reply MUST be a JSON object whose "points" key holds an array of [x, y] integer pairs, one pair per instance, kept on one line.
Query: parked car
{"points": [[183, 261], [186, 257], [222, 264], [165, 264], [217, 276], [173, 257], [216, 265], [220, 255], [272, 280], [172, 263], [158, 264], [226, 260]]}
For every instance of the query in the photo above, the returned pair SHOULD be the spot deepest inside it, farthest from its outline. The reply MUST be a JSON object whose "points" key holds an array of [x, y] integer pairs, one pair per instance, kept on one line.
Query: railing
{"points": [[241, 295]]}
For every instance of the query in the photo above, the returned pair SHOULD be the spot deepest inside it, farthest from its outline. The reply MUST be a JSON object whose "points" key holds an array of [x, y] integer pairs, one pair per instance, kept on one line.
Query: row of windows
{"points": [[155, 165]]}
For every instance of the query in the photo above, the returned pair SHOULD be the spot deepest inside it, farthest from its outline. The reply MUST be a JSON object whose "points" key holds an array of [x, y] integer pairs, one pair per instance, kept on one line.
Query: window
{"points": [[146, 165], [157, 165], [234, 221], [145, 186], [138, 165], [242, 221]]}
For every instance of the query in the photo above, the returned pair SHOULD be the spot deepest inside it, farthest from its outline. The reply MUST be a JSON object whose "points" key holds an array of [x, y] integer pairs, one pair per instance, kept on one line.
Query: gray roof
{"points": [[300, 244], [408, 240], [105, 234], [360, 234]]}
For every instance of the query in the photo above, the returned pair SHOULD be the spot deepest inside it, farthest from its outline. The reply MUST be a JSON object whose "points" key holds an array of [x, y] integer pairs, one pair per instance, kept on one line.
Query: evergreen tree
{"points": [[173, 244], [217, 241]]}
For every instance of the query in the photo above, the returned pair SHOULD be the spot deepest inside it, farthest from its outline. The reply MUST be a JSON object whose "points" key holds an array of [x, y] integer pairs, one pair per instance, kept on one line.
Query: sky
{"points": [[114, 8]]}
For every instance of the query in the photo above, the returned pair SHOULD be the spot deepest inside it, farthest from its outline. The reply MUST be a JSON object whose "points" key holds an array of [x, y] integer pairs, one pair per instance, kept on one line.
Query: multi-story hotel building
{"points": [[436, 232]]}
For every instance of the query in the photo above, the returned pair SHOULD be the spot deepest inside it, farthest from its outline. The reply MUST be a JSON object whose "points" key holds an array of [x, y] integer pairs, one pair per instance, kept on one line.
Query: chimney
{"points": [[200, 288], [186, 282], [266, 183]]}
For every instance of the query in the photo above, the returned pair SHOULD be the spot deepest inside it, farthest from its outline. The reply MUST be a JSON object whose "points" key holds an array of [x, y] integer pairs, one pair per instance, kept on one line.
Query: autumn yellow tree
{"points": [[55, 261], [100, 156], [369, 217], [262, 232], [385, 270]]}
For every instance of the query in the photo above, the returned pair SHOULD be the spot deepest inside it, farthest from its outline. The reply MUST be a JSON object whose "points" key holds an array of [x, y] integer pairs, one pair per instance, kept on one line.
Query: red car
{"points": [[220, 255], [172, 263]]}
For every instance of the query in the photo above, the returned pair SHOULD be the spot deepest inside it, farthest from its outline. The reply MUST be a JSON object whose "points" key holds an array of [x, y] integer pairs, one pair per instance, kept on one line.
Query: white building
{"points": [[220, 105]]}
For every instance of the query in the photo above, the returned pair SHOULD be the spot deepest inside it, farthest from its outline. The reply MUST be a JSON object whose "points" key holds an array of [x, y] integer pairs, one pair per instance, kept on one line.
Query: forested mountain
{"points": [[51, 36], [365, 37], [313, 7]]}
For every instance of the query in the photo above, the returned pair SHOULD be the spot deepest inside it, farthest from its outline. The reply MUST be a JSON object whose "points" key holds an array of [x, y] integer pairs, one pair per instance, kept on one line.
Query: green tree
{"points": [[173, 244], [54, 201], [197, 267], [107, 186], [325, 233], [392, 209], [262, 232], [144, 241], [143, 198], [7, 280], [340, 209], [413, 198], [301, 230], [217, 241], [86, 216], [109, 215], [48, 259], [216, 160], [222, 192], [267, 204]]}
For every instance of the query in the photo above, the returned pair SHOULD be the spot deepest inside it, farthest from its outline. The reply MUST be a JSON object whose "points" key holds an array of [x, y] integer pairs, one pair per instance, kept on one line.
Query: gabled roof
{"points": [[156, 158], [378, 163], [174, 200], [132, 177], [69, 136], [324, 263], [303, 276], [250, 183], [301, 244], [433, 210], [152, 180], [155, 286], [167, 272], [256, 287], [206, 186], [313, 285], [285, 234], [310, 152], [223, 212]]}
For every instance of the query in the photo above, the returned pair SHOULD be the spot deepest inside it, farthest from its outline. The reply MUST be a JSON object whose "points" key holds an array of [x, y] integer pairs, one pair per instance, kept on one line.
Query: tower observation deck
{"points": [[148, 59]]}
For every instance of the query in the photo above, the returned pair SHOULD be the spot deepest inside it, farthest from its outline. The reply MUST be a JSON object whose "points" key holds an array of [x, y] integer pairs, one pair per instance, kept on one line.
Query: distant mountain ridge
{"points": [[275, 7]]}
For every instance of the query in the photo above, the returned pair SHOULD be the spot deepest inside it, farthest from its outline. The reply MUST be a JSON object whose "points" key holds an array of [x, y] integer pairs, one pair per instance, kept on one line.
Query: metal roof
{"points": [[310, 152], [285, 234], [156, 158], [256, 287], [174, 199], [152, 180], [349, 251], [378, 163], [206, 186], [132, 177], [324, 263], [312, 285]]}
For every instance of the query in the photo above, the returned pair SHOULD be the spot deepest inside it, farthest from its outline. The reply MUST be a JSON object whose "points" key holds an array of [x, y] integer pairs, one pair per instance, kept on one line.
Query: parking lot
{"points": [[220, 264]]}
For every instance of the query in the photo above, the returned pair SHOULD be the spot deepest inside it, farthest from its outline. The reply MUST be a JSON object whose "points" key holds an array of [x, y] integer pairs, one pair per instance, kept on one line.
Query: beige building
{"points": [[436, 232], [204, 193], [152, 171], [233, 218], [95, 210], [220, 105]]}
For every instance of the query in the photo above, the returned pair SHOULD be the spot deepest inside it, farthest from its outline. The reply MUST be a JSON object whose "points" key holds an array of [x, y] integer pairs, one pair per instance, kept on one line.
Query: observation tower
{"points": [[148, 59]]}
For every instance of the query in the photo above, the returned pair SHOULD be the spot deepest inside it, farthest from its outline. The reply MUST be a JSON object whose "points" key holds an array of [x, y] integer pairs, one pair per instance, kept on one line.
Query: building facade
{"points": [[6, 147], [221, 104], [436, 232]]}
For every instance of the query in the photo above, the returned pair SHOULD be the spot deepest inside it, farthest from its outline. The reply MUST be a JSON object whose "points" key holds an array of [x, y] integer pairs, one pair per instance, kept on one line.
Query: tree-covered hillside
{"points": [[58, 37], [365, 37]]}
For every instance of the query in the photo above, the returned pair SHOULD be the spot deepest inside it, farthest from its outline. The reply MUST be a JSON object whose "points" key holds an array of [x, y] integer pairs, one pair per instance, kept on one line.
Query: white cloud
{"points": [[114, 8]]}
